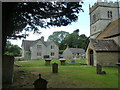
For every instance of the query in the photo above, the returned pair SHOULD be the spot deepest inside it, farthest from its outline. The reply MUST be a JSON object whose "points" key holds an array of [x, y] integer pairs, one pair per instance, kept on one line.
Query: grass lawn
{"points": [[68, 76]]}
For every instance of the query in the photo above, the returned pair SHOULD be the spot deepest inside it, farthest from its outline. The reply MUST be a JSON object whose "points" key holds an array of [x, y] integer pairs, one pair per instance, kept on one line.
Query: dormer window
{"points": [[39, 46], [109, 14]]}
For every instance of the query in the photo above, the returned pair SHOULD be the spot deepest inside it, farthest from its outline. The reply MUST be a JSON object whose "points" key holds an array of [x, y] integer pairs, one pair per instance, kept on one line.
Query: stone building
{"points": [[73, 53], [104, 45], [38, 48]]}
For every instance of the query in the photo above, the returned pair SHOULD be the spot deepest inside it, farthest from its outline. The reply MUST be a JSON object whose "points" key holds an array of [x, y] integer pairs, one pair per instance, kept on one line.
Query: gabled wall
{"points": [[55, 50], [34, 50], [67, 54]]}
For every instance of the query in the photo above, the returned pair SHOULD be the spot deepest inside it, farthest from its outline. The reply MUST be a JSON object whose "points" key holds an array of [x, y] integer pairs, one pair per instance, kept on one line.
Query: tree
{"points": [[58, 36], [72, 40], [17, 16], [12, 50], [83, 39]]}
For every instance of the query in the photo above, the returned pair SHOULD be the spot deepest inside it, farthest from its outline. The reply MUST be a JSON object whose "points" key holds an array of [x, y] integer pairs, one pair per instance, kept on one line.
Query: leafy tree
{"points": [[12, 50], [17, 16], [83, 39], [72, 40], [58, 36]]}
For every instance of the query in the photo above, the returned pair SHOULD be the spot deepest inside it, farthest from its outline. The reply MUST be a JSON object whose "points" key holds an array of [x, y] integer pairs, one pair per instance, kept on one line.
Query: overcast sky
{"points": [[83, 24]]}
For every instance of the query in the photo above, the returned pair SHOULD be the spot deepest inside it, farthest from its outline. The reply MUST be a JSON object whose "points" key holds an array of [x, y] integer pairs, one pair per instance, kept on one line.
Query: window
{"points": [[39, 46], [39, 54], [109, 14], [52, 46], [52, 53]]}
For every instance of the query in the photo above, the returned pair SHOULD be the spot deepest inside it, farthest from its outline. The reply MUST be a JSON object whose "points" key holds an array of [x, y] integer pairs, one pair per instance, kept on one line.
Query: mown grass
{"points": [[72, 76]]}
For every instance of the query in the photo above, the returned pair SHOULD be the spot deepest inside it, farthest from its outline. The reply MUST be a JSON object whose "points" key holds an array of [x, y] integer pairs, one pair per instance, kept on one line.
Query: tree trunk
{"points": [[4, 40]]}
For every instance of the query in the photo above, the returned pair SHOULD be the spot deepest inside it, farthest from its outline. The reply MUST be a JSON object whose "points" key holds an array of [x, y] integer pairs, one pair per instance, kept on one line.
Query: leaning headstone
{"points": [[55, 68], [7, 69], [40, 84], [99, 69]]}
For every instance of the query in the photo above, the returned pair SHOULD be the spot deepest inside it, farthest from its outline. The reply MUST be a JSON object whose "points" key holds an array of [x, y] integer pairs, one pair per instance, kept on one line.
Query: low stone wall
{"points": [[7, 69]]}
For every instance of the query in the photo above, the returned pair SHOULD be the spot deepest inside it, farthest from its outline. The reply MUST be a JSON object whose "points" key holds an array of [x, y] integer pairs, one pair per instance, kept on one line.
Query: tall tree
{"points": [[72, 40], [58, 36], [83, 39], [30, 15], [12, 50]]}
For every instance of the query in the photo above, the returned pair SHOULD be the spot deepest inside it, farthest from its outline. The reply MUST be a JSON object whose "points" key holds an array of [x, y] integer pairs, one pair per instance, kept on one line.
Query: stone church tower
{"points": [[101, 14]]}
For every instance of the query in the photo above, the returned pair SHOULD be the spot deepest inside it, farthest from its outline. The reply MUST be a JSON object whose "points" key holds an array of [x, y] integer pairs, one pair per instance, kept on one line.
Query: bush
{"points": [[46, 56], [19, 59]]}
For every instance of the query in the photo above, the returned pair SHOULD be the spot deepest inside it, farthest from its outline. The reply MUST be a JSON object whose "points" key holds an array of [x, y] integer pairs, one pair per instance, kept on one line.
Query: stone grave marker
{"points": [[40, 84], [99, 69], [55, 68]]}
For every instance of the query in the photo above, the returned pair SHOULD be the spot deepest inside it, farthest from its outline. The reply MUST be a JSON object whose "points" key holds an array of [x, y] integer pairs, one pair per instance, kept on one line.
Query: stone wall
{"points": [[7, 69], [67, 54], [107, 58]]}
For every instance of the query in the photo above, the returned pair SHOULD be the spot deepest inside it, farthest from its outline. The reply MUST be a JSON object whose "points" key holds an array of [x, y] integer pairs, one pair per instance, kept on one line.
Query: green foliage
{"points": [[58, 36], [46, 56], [12, 50], [17, 15], [19, 59]]}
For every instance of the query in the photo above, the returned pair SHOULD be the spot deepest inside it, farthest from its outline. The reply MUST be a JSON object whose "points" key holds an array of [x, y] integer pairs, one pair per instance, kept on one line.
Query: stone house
{"points": [[38, 48], [104, 45], [73, 53]]}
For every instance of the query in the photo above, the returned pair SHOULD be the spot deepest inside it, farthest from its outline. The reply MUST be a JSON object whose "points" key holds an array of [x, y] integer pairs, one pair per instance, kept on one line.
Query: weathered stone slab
{"points": [[55, 68], [7, 69], [99, 69]]}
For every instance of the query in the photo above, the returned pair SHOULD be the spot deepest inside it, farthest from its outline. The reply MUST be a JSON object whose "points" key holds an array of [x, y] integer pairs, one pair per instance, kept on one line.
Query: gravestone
{"points": [[99, 69], [55, 68], [40, 84], [7, 69]]}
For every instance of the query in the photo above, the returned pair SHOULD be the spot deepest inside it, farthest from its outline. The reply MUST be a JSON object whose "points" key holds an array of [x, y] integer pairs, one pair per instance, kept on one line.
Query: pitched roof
{"points": [[105, 45], [77, 50], [110, 30], [28, 43]]}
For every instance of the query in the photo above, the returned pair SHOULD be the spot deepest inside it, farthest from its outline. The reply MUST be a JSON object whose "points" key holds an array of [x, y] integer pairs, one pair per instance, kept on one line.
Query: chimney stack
{"points": [[42, 38]]}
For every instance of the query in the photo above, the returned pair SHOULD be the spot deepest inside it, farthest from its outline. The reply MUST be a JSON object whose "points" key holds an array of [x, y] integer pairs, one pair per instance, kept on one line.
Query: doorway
{"points": [[91, 58]]}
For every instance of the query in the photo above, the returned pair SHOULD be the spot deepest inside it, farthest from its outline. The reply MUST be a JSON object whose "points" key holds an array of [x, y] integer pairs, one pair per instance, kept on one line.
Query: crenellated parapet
{"points": [[103, 4]]}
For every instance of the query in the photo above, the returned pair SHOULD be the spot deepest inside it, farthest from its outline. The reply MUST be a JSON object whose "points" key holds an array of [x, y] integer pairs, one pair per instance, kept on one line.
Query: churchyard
{"points": [[69, 75]]}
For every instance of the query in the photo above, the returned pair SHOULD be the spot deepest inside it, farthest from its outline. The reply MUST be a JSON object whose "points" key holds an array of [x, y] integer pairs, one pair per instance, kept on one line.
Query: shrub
{"points": [[46, 56], [19, 59]]}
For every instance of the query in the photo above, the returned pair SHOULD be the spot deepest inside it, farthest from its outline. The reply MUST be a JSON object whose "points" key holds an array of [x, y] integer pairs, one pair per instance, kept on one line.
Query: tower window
{"points": [[94, 18], [109, 14]]}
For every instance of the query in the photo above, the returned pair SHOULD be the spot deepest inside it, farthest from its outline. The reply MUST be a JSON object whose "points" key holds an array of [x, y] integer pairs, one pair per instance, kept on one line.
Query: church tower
{"points": [[101, 14]]}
